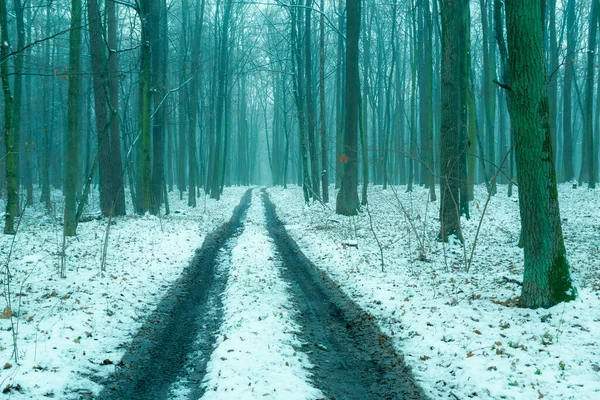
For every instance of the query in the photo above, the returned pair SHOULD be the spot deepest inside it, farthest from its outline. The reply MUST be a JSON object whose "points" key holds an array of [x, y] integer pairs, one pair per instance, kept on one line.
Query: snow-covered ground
{"points": [[460, 331], [69, 328], [257, 353]]}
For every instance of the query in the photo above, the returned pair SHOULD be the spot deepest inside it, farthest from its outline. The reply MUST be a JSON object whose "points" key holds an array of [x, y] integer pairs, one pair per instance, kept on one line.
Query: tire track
{"points": [[160, 353], [353, 359]]}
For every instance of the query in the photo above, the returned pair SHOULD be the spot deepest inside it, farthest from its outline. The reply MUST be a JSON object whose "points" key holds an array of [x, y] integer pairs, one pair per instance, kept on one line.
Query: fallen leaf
{"points": [[6, 314], [477, 331], [469, 355], [424, 358]]}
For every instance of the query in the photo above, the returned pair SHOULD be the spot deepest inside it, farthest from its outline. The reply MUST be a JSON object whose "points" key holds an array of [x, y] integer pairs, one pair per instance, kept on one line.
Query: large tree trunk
{"points": [[347, 198], [546, 279]]}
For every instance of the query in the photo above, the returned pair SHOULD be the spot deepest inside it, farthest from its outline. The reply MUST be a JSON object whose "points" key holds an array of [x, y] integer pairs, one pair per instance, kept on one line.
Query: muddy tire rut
{"points": [[352, 358], [167, 343]]}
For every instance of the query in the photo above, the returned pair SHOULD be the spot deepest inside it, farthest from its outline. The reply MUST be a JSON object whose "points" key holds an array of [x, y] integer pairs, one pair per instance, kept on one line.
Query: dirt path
{"points": [[166, 346], [352, 358]]}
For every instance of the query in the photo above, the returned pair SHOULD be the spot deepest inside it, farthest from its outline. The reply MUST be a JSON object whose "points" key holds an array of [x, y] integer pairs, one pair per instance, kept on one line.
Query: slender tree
{"points": [[11, 155], [347, 198], [588, 165], [568, 172], [310, 108], [117, 189], [100, 81], [322, 120], [72, 134], [453, 117]]}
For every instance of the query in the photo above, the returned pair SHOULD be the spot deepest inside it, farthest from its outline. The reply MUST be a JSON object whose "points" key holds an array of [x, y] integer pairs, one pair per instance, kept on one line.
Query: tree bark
{"points": [[568, 172], [11, 154], [452, 118], [323, 122], [117, 193], [72, 141], [347, 198], [546, 279], [588, 165], [310, 108]]}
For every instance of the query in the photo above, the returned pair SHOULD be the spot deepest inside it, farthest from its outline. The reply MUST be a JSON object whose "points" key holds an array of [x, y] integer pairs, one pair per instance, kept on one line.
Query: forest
{"points": [[300, 199]]}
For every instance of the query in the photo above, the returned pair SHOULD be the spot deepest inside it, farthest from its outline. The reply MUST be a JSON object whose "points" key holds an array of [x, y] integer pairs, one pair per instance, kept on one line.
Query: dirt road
{"points": [[352, 359]]}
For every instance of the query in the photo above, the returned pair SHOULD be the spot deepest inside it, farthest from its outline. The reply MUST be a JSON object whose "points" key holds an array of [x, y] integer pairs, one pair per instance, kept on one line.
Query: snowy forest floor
{"points": [[458, 331]]}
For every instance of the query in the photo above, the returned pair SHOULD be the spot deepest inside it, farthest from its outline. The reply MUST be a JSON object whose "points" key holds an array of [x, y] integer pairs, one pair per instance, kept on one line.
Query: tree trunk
{"points": [[11, 155], [145, 162], [72, 153], [323, 128], [546, 279], [100, 86], [156, 33], [588, 167], [452, 118], [117, 193], [193, 105], [298, 75], [552, 79], [215, 190], [568, 171], [339, 100], [489, 95], [347, 198], [46, 142], [310, 109]]}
